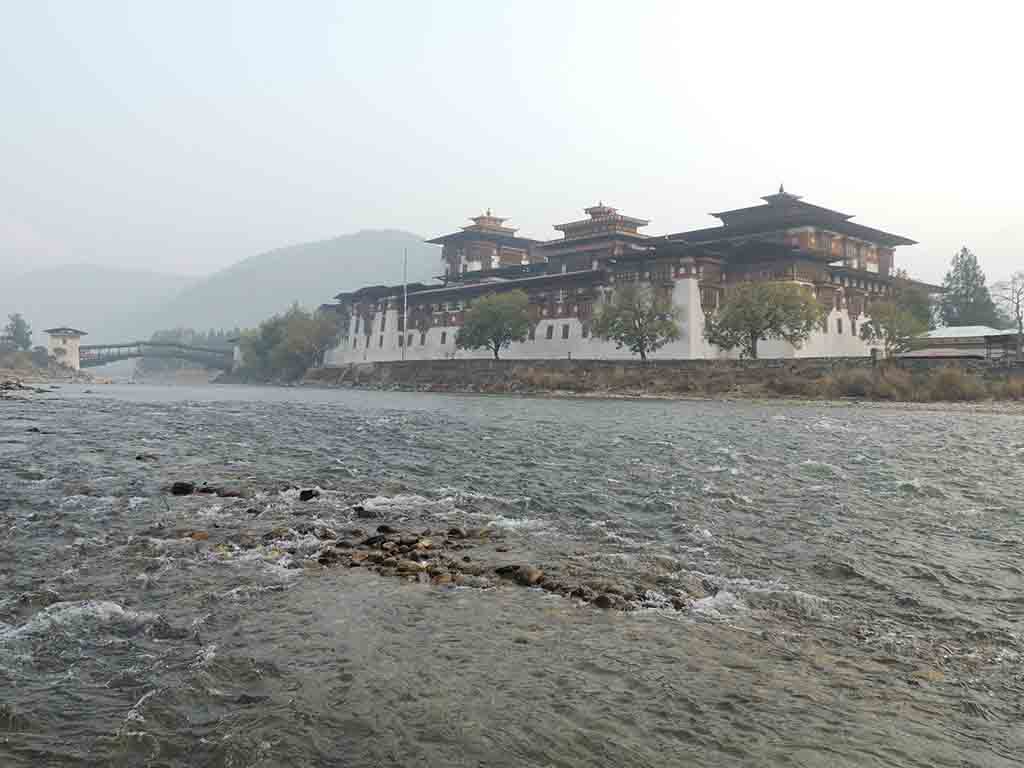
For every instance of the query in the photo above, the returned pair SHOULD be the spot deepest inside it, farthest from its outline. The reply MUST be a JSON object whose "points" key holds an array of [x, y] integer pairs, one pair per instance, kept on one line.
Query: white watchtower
{"points": [[64, 344]]}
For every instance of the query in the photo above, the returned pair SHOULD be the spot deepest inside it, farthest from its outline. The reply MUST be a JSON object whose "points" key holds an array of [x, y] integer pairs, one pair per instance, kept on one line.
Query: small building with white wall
{"points": [[64, 346]]}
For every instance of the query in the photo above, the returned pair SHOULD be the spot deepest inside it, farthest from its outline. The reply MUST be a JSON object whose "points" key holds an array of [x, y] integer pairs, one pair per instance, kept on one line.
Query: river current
{"points": [[856, 572]]}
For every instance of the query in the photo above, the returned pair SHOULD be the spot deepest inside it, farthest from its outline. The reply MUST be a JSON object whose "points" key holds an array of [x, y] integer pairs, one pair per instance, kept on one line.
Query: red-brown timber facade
{"points": [[845, 265]]}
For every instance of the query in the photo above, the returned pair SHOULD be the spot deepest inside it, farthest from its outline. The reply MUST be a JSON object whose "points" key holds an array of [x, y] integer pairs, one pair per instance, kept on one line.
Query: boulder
{"points": [[199, 535], [607, 601], [529, 576], [456, 533], [308, 494], [182, 488], [365, 514], [408, 566], [386, 529]]}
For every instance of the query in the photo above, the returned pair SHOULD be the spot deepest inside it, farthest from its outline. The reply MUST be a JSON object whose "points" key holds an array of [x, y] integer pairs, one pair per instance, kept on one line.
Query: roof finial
{"points": [[782, 189], [488, 211]]}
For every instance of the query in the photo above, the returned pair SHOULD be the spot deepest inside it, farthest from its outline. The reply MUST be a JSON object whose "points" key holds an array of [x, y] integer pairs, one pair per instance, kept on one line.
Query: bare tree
{"points": [[1009, 297]]}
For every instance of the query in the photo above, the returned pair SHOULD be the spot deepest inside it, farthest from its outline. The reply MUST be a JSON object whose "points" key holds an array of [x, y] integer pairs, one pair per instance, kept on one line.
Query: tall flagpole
{"points": [[405, 299]]}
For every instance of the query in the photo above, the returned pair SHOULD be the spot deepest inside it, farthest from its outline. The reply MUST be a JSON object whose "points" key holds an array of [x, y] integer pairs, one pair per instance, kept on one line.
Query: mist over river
{"points": [[853, 575]]}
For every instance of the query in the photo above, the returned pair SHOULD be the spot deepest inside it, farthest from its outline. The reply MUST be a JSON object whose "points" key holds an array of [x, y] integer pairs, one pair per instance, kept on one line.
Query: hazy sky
{"points": [[185, 136]]}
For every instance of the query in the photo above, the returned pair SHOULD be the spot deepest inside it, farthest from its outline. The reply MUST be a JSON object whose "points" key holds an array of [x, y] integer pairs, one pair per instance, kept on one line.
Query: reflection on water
{"points": [[856, 579]]}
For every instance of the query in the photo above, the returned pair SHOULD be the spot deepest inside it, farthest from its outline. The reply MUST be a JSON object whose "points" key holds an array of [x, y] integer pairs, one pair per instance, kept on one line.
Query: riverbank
{"points": [[811, 379]]}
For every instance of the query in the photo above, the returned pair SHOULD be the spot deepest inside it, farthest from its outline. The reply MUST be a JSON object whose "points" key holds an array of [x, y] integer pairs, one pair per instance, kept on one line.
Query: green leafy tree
{"points": [[19, 330], [891, 325], [759, 311], [638, 319], [495, 321], [965, 298], [1009, 296], [285, 346], [914, 298]]}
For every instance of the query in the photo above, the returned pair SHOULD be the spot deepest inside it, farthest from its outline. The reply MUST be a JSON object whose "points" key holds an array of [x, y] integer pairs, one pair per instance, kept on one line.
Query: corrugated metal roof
{"points": [[962, 332]]}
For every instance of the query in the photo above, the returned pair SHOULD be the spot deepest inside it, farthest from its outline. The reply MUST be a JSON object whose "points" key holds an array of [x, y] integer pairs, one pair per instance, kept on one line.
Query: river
{"points": [[856, 581]]}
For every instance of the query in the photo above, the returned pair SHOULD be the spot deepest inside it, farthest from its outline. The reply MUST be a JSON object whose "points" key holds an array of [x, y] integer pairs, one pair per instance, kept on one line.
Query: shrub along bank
{"points": [[919, 381]]}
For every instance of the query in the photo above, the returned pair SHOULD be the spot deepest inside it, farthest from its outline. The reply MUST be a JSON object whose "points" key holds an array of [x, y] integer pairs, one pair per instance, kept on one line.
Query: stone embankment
{"points": [[801, 377], [451, 556]]}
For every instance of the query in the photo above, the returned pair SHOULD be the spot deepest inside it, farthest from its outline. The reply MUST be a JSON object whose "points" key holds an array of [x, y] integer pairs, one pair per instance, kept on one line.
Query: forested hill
{"points": [[309, 273], [123, 305]]}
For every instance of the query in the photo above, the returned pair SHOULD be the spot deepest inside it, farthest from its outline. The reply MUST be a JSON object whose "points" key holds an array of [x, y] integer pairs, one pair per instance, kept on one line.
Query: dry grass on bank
{"points": [[16, 361], [949, 384]]}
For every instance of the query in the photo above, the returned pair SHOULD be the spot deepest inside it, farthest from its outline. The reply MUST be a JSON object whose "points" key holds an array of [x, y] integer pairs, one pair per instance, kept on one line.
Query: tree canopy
{"points": [[638, 319], [19, 330], [966, 299], [891, 325], [914, 298], [286, 346], [758, 311], [495, 321], [1009, 298]]}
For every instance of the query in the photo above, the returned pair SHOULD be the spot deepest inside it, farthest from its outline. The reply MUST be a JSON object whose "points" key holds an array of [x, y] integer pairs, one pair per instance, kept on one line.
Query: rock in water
{"points": [[608, 601], [529, 576], [182, 488], [308, 494], [364, 513], [386, 529]]}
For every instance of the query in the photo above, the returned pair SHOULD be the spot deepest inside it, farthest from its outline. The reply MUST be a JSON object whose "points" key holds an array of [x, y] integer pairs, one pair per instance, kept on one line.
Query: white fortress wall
{"points": [[567, 340]]}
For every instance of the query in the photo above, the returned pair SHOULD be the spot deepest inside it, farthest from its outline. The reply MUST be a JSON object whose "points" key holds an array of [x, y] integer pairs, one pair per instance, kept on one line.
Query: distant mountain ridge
{"points": [[104, 301], [125, 304], [309, 273]]}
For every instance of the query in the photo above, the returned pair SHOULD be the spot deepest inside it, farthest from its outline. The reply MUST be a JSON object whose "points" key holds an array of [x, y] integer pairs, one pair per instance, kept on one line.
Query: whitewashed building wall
{"points": [[567, 340]]}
